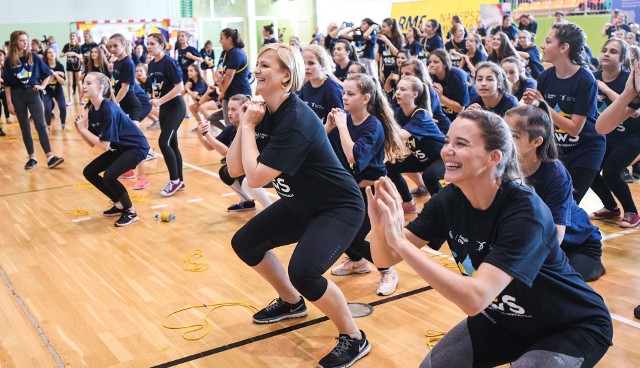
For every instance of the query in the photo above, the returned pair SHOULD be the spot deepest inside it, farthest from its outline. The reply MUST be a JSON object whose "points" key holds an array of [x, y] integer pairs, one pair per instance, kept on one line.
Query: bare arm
{"points": [[471, 294], [122, 92], [257, 174]]}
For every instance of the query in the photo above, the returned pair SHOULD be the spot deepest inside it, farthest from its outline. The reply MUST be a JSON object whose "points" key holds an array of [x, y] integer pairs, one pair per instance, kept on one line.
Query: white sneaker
{"points": [[349, 267], [151, 155], [388, 282], [154, 125]]}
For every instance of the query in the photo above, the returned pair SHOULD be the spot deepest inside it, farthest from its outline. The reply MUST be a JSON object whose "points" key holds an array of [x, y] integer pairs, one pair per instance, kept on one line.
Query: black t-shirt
{"points": [[73, 63], [293, 140], [227, 135], [517, 235], [53, 87]]}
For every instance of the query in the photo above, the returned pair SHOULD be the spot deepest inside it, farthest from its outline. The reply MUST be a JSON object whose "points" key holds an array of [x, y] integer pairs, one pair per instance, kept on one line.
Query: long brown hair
{"points": [[379, 107], [103, 62], [14, 57]]}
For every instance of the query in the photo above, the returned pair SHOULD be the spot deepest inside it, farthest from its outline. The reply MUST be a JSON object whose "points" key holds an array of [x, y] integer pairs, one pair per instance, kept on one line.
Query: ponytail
{"points": [[379, 107], [235, 37], [107, 91]]}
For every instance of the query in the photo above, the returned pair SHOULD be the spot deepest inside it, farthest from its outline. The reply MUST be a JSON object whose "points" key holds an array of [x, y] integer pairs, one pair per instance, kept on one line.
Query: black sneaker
{"points": [[626, 175], [346, 352], [243, 206], [126, 218], [636, 170], [54, 161], [31, 164], [112, 212], [2, 133], [278, 310]]}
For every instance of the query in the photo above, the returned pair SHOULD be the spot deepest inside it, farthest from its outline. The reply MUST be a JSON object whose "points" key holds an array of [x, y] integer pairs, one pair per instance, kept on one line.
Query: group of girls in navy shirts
{"points": [[330, 127]]}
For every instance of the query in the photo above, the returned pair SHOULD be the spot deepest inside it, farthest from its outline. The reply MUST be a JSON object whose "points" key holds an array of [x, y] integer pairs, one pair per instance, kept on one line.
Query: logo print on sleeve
{"points": [[563, 139]]}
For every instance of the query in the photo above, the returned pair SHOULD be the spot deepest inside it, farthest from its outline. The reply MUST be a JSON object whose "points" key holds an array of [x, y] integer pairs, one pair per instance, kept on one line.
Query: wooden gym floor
{"points": [[99, 294]]}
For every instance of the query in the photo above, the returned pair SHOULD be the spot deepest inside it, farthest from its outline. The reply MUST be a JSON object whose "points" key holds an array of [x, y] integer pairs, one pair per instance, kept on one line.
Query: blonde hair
{"points": [[107, 91], [323, 57], [291, 60]]}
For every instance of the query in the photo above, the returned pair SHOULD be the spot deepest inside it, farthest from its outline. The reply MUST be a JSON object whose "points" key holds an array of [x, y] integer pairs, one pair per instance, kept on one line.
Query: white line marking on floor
{"points": [[159, 206], [197, 168], [81, 219], [195, 200], [273, 195], [33, 321], [611, 236], [227, 194], [625, 320]]}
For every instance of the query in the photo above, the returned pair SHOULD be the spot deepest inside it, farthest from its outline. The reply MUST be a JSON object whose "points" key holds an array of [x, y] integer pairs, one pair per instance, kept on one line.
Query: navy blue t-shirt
{"points": [[85, 50], [506, 102], [575, 95], [322, 99], [183, 60], [342, 73], [164, 75], [368, 148], [54, 87], [630, 128], [553, 184], [200, 87], [426, 139], [25, 75], [455, 87], [237, 60], [413, 48], [124, 71], [611, 31], [442, 120], [367, 47], [460, 47], [477, 58], [516, 234], [387, 58], [292, 140], [511, 31], [208, 56], [112, 125], [266, 41], [534, 64], [428, 45], [522, 87], [227, 135]]}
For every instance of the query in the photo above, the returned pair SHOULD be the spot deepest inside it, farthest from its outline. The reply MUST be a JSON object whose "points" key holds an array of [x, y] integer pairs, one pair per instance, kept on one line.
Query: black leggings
{"points": [[171, 116], [582, 179], [113, 164], [586, 259], [48, 99], [616, 159], [3, 102], [432, 171], [25, 101], [131, 106], [360, 247], [321, 238]]}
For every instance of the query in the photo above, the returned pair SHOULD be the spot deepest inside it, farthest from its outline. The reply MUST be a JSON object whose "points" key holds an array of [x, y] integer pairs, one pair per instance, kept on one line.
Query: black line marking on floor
{"points": [[281, 331]]}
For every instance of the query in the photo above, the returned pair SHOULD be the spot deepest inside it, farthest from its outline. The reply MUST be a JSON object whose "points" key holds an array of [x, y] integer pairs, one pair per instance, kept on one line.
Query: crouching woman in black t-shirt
{"points": [[321, 208], [525, 303], [123, 143]]}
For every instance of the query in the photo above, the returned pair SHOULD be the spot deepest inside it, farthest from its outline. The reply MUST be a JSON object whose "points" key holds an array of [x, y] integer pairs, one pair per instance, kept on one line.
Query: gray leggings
{"points": [[25, 101], [566, 349]]}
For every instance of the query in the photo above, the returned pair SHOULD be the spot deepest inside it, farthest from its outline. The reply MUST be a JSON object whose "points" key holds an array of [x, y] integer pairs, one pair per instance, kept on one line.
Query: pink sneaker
{"points": [[141, 183], [128, 175], [409, 207], [605, 213], [630, 219]]}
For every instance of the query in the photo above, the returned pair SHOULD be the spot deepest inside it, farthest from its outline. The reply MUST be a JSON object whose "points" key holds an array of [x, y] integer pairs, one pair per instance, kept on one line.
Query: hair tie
{"points": [[536, 103]]}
